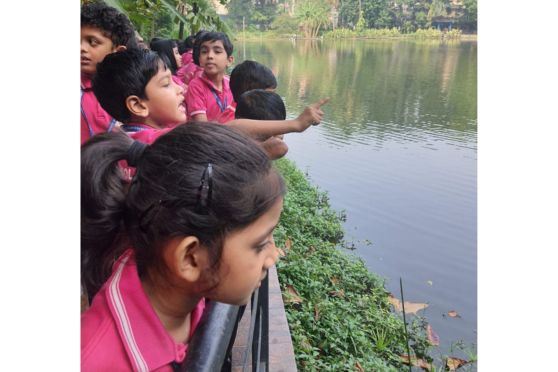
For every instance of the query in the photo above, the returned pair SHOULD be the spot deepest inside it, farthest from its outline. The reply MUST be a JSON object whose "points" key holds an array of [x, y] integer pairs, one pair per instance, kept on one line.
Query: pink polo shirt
{"points": [[94, 119], [187, 57], [189, 71], [144, 133], [121, 331], [203, 97]]}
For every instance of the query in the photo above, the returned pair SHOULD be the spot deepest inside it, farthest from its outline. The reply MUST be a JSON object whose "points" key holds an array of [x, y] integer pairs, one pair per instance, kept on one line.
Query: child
{"points": [[136, 88], [259, 104], [201, 228], [209, 97], [185, 50], [190, 69], [250, 75], [168, 51], [104, 30]]}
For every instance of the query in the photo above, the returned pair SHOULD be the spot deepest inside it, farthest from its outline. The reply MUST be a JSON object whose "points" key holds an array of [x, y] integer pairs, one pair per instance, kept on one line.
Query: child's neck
{"points": [[173, 307], [217, 79]]}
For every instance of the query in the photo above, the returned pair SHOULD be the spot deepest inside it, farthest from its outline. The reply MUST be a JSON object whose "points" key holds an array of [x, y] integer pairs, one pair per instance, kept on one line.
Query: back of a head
{"points": [[211, 36], [250, 75], [110, 21], [259, 104], [166, 198], [186, 44], [123, 74], [165, 49]]}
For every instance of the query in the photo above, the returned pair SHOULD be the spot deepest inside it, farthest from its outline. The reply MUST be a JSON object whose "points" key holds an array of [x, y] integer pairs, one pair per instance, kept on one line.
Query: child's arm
{"points": [[312, 115]]}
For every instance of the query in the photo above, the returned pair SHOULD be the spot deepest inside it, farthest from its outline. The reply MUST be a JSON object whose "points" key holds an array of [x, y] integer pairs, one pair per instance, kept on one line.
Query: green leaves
{"points": [[338, 311]]}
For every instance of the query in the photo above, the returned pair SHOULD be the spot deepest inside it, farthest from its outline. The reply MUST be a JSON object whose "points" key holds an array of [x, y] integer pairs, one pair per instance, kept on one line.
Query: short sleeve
{"points": [[196, 98]]}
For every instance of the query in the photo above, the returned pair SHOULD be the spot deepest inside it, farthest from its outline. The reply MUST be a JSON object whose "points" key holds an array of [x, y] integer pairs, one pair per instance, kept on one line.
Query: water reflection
{"points": [[397, 151]]}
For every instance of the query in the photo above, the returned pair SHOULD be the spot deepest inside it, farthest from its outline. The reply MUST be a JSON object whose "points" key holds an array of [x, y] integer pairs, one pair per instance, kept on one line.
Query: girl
{"points": [[195, 222], [168, 51]]}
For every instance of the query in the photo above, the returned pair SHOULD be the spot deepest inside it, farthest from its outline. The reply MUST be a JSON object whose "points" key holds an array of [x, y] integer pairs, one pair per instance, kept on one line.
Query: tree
{"points": [[312, 15]]}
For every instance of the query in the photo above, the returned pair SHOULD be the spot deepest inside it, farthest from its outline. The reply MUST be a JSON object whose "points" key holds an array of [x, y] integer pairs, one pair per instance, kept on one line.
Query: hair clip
{"points": [[205, 189]]}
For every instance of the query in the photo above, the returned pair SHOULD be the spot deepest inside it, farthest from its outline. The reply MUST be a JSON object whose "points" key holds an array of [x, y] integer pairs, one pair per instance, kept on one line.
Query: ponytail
{"points": [[103, 193]]}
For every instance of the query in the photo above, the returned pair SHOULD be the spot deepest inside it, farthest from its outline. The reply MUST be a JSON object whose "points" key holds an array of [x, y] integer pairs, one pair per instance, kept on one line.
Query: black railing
{"points": [[211, 346]]}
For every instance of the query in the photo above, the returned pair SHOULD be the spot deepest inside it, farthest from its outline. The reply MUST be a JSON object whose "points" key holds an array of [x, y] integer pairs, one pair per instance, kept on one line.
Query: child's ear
{"points": [[231, 60], [120, 48], [190, 259], [137, 107]]}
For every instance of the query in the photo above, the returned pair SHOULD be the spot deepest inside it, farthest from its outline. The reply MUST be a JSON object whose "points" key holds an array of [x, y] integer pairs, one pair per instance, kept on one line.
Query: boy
{"points": [[104, 30], [260, 104], [250, 75], [209, 97], [136, 88]]}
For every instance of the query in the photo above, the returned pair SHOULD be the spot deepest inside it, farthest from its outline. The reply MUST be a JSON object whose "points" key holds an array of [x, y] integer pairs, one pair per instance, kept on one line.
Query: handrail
{"points": [[209, 346], [207, 349]]}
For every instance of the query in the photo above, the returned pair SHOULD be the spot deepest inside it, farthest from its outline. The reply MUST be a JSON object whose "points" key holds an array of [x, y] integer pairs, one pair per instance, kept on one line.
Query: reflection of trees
{"points": [[378, 87]]}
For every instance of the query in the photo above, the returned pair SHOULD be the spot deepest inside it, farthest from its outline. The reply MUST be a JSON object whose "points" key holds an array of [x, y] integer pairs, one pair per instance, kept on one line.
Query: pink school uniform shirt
{"points": [[121, 331], [94, 119], [187, 57], [203, 97], [189, 71], [144, 133]]}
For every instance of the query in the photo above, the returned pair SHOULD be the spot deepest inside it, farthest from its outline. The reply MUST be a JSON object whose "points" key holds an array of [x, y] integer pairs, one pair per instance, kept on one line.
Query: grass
{"points": [[343, 320]]}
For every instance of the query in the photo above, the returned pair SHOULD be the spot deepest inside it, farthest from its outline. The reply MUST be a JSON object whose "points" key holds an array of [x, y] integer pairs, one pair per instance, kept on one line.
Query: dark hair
{"points": [[110, 21], [163, 200], [165, 49], [250, 75], [259, 104], [211, 36], [186, 44], [123, 74], [154, 39]]}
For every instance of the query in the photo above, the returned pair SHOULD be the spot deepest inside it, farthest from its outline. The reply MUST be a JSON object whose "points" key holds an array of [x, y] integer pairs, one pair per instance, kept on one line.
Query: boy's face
{"points": [[94, 47], [213, 58], [164, 100]]}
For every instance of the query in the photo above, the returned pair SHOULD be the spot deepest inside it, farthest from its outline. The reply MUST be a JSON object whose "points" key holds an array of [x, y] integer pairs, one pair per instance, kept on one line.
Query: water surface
{"points": [[398, 152]]}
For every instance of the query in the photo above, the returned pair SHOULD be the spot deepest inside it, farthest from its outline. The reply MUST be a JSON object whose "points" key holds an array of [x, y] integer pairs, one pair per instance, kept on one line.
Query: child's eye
{"points": [[94, 42], [262, 246]]}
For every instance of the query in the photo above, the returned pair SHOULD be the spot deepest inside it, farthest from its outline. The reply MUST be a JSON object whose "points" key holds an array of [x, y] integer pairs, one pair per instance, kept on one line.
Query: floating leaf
{"points": [[293, 296], [433, 338], [455, 363], [288, 244], [334, 280], [410, 307], [359, 367], [453, 314], [417, 362]]}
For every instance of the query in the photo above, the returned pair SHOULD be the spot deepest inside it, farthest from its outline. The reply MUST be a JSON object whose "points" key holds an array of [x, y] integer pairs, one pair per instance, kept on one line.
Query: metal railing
{"points": [[210, 348]]}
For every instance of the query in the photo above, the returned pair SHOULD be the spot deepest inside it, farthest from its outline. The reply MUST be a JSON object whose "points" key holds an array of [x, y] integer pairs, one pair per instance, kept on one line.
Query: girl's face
{"points": [[177, 57], [247, 255], [165, 100]]}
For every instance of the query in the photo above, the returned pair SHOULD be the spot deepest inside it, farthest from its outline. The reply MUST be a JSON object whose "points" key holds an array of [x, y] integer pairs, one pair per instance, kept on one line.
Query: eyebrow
{"points": [[263, 236], [165, 77]]}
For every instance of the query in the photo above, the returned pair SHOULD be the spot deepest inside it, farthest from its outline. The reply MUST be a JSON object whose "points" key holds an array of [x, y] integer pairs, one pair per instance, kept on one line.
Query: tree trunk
{"points": [[180, 30]]}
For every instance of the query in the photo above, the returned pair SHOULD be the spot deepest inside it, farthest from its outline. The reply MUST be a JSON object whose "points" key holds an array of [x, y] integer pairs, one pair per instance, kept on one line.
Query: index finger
{"points": [[320, 103]]}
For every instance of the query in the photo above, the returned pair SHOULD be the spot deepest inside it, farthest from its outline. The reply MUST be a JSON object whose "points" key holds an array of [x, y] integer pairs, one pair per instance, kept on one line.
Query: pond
{"points": [[397, 151]]}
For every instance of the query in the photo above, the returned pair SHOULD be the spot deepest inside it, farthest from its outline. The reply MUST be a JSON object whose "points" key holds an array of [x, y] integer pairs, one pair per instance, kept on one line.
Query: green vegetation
{"points": [[338, 312], [170, 18], [308, 17]]}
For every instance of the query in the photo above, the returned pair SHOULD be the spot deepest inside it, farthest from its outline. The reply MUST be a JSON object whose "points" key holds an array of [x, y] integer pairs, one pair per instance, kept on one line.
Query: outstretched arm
{"points": [[312, 115]]}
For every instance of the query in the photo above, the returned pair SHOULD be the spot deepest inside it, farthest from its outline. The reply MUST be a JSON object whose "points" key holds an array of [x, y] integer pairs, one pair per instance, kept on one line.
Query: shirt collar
{"points": [[209, 83], [147, 343]]}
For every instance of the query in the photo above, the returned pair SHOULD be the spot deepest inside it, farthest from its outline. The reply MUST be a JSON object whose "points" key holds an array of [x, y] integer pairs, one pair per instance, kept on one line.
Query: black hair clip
{"points": [[205, 189]]}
